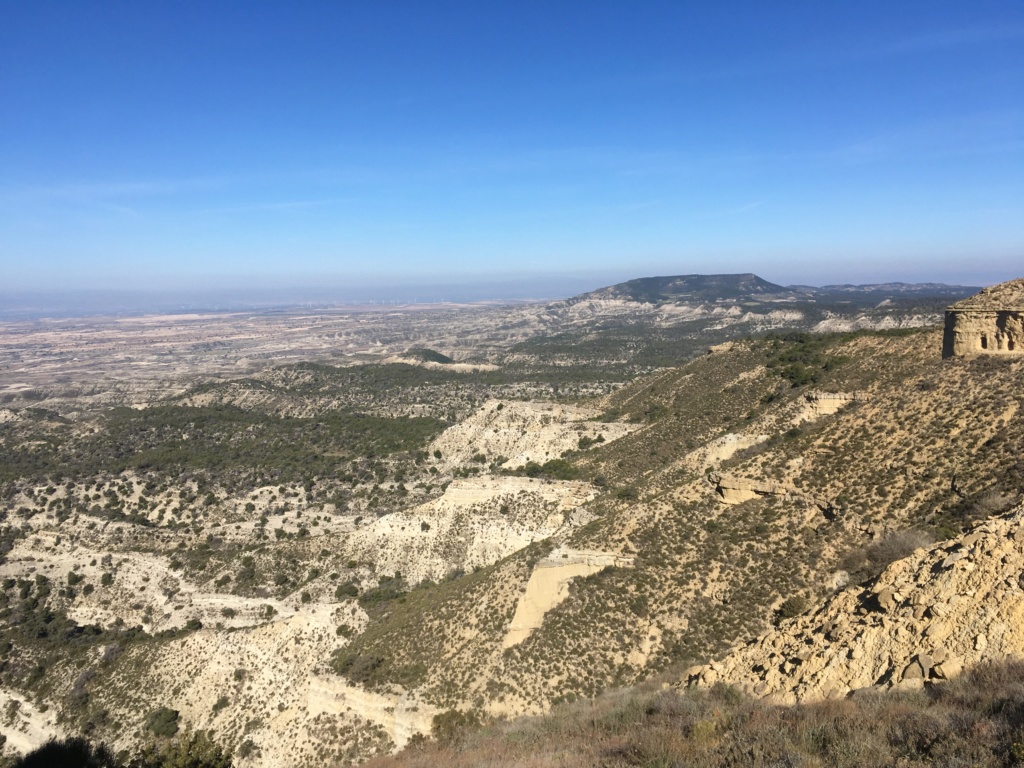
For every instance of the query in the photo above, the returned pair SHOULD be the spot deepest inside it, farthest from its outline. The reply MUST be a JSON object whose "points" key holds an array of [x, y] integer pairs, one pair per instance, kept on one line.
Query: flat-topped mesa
{"points": [[989, 323]]}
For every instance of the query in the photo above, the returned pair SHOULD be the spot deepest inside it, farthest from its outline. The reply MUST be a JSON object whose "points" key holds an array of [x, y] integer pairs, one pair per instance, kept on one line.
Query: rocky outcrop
{"points": [[988, 323], [736, 490], [818, 404], [925, 618], [549, 585]]}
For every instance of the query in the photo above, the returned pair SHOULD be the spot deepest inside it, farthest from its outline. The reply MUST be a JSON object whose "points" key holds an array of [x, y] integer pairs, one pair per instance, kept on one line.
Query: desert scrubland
{"points": [[320, 537]]}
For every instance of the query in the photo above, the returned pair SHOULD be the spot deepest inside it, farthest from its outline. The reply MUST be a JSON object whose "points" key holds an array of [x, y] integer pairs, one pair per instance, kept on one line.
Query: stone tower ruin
{"points": [[988, 323]]}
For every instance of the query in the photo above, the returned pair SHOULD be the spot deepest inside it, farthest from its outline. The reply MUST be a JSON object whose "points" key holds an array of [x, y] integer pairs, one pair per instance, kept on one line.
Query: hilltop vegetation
{"points": [[689, 288]]}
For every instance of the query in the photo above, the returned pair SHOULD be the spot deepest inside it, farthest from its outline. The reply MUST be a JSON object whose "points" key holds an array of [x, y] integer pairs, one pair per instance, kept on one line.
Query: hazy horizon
{"points": [[32, 304]]}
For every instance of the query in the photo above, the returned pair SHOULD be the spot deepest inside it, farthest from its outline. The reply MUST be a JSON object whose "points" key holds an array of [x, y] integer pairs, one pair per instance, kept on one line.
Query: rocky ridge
{"points": [[926, 617], [1008, 296]]}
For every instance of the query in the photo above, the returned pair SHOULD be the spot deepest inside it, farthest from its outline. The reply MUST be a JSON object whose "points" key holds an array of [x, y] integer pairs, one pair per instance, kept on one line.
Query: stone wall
{"points": [[983, 332]]}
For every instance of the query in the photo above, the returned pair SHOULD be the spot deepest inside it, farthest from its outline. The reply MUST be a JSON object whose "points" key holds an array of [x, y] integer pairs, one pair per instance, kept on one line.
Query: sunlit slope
{"points": [[914, 442]]}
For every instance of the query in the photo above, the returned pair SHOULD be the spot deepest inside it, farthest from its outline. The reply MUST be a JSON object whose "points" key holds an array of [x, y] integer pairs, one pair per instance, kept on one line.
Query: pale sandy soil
{"points": [[475, 523], [519, 432]]}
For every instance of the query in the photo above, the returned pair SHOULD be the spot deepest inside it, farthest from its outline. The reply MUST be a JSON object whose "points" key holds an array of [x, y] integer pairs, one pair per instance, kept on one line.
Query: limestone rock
{"points": [[948, 669], [826, 403], [887, 599], [989, 323], [549, 585], [736, 490], [970, 617], [522, 432]]}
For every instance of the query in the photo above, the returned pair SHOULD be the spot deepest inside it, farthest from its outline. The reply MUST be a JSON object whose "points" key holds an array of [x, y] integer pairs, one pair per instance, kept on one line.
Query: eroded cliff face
{"points": [[475, 523], [549, 586], [988, 323], [981, 332], [944, 608], [515, 433], [267, 685]]}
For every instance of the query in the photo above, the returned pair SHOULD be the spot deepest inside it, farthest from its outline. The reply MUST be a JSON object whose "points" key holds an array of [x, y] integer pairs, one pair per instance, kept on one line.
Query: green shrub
{"points": [[346, 590], [793, 606], [247, 748], [163, 722]]}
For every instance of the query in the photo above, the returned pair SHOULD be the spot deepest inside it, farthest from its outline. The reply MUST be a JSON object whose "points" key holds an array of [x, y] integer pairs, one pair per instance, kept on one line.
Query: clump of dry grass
{"points": [[867, 562], [977, 720]]}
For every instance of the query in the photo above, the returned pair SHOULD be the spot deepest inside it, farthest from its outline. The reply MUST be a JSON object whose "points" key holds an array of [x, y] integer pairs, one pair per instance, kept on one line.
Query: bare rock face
{"points": [[549, 586], [820, 404], [736, 490], [943, 608], [989, 323]]}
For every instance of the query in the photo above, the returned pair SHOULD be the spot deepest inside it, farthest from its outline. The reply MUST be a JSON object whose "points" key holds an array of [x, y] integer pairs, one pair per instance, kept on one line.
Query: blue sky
{"points": [[257, 144]]}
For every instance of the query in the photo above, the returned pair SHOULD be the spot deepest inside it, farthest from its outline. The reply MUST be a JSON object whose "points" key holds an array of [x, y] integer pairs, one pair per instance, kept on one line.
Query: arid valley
{"points": [[320, 537]]}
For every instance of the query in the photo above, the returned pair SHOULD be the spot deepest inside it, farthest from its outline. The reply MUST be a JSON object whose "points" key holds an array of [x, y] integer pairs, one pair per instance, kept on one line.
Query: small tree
{"points": [[163, 721]]}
